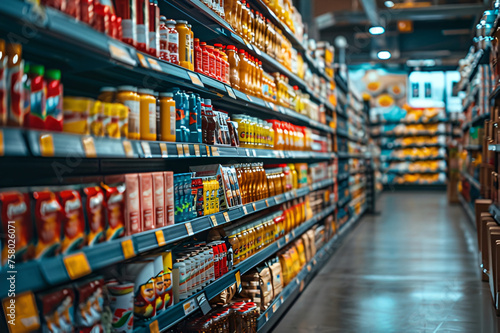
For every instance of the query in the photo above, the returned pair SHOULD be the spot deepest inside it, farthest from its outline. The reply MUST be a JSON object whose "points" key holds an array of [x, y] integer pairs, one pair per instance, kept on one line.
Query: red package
{"points": [[159, 199], [16, 221], [169, 197], [48, 220], [89, 300], [93, 199], [57, 310], [146, 195], [131, 201], [73, 221], [115, 211]]}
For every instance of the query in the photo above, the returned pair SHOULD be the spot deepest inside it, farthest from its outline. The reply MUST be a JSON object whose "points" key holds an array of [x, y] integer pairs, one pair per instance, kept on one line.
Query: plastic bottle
{"points": [[147, 114], [212, 67], [167, 117], [142, 27], [198, 57], [234, 63], [205, 58], [180, 115], [244, 19], [154, 28], [54, 105], [15, 72], [243, 71], [251, 18], [173, 42], [126, 9], [225, 71], [164, 54], [184, 43], [191, 47], [38, 110], [26, 96], [127, 95], [218, 61]]}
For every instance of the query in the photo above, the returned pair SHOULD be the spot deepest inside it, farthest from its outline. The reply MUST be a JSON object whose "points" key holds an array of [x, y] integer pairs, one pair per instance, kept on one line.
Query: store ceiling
{"points": [[441, 30]]}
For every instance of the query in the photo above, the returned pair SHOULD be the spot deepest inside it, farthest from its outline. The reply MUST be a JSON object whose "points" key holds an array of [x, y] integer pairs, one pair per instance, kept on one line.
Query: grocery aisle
{"points": [[409, 269]]}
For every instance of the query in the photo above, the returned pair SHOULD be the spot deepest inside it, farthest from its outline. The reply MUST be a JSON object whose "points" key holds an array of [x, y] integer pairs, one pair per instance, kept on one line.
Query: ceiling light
{"points": [[384, 55], [389, 4], [377, 30]]}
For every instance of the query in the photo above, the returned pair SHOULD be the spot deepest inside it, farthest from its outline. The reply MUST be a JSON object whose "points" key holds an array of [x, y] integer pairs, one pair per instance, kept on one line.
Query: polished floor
{"points": [[410, 269]]}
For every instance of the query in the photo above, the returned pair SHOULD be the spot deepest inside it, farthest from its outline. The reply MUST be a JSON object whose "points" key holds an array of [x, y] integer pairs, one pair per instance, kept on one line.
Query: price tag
{"points": [[154, 64], [208, 150], [281, 299], [287, 238], [186, 150], [89, 147], [214, 220], [120, 52], [215, 151], [267, 203], [189, 228], [297, 281], [308, 268], [153, 327], [275, 307], [247, 151], [249, 46], [230, 92], [279, 199], [127, 147], [226, 217], [195, 79], [256, 49], [46, 145], [2, 145], [254, 207], [294, 192], [26, 317], [160, 237], [245, 210], [254, 152], [128, 249], [273, 107], [146, 149], [189, 306], [164, 150], [77, 265], [302, 284], [142, 60], [314, 261], [293, 233], [237, 276], [197, 150], [281, 109], [249, 98], [180, 151], [267, 316], [282, 154]]}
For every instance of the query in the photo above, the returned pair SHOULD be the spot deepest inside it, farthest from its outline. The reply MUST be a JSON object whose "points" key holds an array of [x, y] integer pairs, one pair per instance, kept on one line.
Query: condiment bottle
{"points": [[127, 95], [15, 73], [164, 54], [142, 27], [191, 47], [184, 44], [205, 54], [234, 63], [198, 56], [147, 114], [173, 42], [212, 62], [225, 73], [154, 28], [218, 61], [243, 71]]}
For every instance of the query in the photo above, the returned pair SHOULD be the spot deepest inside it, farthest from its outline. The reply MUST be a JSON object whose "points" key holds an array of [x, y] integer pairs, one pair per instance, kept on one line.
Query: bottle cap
{"points": [[107, 89], [54, 74], [127, 88], [37, 69], [180, 22], [166, 94]]}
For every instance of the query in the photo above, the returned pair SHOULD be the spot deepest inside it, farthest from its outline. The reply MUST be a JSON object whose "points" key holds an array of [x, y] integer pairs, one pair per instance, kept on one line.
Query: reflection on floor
{"points": [[410, 269]]}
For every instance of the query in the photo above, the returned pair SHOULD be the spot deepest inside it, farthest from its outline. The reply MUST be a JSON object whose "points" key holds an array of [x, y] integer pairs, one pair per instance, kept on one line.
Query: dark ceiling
{"points": [[441, 30]]}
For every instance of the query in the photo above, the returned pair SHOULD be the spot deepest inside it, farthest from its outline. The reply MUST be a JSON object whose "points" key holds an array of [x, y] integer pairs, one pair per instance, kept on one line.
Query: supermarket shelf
{"points": [[468, 209], [356, 187], [470, 98], [352, 155], [289, 294], [409, 159], [111, 61], [495, 211], [176, 313], [412, 172], [415, 187], [343, 176], [41, 274], [411, 134], [344, 201], [473, 147], [341, 83], [345, 134], [401, 121], [471, 180], [481, 57], [475, 121], [391, 146]]}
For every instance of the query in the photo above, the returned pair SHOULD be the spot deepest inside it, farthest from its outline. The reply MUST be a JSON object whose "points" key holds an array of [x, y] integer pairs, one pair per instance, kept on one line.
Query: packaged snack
{"points": [[198, 198], [159, 199], [169, 197], [89, 305], [115, 210], [142, 273], [57, 310], [146, 201], [93, 202], [73, 220], [16, 220], [76, 112], [48, 218]]}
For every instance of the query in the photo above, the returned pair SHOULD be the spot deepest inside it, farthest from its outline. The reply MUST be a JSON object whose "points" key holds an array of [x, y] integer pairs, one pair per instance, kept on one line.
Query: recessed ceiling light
{"points": [[378, 30], [389, 4], [384, 55]]}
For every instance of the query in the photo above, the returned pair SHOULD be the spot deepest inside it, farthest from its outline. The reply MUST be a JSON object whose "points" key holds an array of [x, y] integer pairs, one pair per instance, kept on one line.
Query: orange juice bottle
{"points": [[191, 48], [243, 71], [147, 114], [250, 19], [127, 95], [234, 66], [244, 19], [167, 117], [184, 44]]}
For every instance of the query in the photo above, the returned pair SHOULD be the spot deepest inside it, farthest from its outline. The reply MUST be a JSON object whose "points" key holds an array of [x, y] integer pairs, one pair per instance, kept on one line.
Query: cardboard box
{"points": [[168, 177], [132, 202], [159, 199]]}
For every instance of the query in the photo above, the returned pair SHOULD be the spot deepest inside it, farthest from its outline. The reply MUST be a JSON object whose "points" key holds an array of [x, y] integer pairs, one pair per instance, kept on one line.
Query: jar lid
{"points": [[107, 89], [127, 88], [163, 18], [180, 22], [166, 94], [145, 91]]}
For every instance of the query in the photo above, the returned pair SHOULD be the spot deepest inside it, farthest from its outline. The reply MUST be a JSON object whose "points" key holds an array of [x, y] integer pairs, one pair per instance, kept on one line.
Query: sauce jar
{"points": [[184, 43], [127, 95], [173, 42], [125, 9], [167, 117], [107, 94], [147, 114]]}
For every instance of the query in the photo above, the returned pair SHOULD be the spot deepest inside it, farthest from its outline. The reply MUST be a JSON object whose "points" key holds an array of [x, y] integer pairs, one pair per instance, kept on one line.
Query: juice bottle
{"points": [[54, 120], [173, 42], [167, 117], [225, 74], [198, 56], [218, 61], [184, 43], [191, 47], [147, 114], [260, 75], [142, 27], [205, 54], [212, 62], [228, 14], [237, 16], [244, 19], [270, 185], [164, 54], [127, 95], [38, 109], [154, 28], [234, 63], [243, 71], [250, 20], [126, 9]]}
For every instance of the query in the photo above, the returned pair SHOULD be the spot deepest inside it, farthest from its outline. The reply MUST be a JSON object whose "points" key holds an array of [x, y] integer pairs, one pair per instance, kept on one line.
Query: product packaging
{"points": [[48, 223], [93, 203], [89, 305], [73, 220], [146, 201], [57, 310], [143, 274], [168, 297], [169, 197], [121, 301]]}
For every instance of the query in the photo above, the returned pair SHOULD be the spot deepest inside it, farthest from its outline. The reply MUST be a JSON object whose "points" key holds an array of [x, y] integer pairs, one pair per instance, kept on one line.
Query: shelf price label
{"points": [[214, 220], [189, 306], [153, 327], [180, 150], [89, 147], [249, 98], [146, 149], [293, 233], [230, 92], [245, 210], [287, 238], [189, 228], [197, 150], [256, 49], [154, 64], [208, 150], [77, 265], [186, 150], [275, 306], [254, 206], [160, 237], [127, 148], [195, 79], [215, 151], [302, 284], [267, 316], [142, 60], [164, 150], [267, 203], [237, 276], [46, 145], [128, 249], [314, 261], [120, 52], [281, 299], [26, 315], [309, 268], [226, 217]]}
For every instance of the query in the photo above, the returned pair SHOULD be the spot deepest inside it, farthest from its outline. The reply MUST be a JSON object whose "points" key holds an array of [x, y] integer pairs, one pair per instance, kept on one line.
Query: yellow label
{"points": [[308, 268], [21, 313], [302, 284], [237, 276], [160, 237], [46, 145], [180, 150], [195, 79], [127, 147], [153, 327], [250, 98], [208, 150], [197, 150], [214, 220], [128, 249], [89, 147], [146, 149], [245, 210], [154, 64], [119, 52], [2, 145], [142, 60], [267, 203], [164, 150], [215, 151], [186, 150], [254, 207], [226, 216], [77, 265], [189, 228]]}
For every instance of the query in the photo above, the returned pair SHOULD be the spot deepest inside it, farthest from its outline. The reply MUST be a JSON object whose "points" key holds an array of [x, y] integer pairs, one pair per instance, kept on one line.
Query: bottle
{"points": [[15, 72], [205, 58], [26, 95], [127, 95], [243, 71], [126, 9], [167, 117], [234, 63], [228, 7], [191, 48], [198, 57], [38, 110], [154, 27], [184, 43], [142, 26], [3, 84], [212, 66], [244, 19], [164, 54], [54, 104], [173, 42], [225, 71], [251, 18], [218, 61]]}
